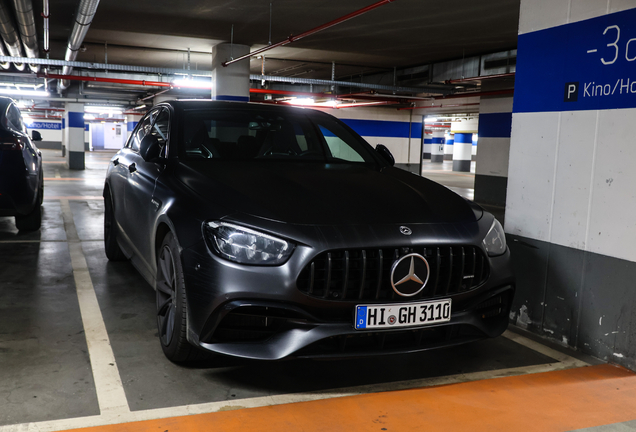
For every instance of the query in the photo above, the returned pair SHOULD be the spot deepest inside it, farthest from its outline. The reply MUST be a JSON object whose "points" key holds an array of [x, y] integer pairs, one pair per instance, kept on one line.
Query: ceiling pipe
{"points": [[480, 78], [83, 19], [293, 38], [475, 94], [45, 16], [288, 93], [10, 35], [26, 26], [105, 80], [439, 106]]}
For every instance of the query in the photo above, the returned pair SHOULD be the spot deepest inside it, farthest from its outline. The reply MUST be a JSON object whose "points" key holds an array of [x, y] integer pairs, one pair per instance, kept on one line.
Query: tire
{"points": [[33, 220], [171, 305], [113, 251]]}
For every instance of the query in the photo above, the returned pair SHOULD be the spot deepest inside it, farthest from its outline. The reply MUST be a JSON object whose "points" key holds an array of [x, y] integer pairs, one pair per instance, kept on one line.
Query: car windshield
{"points": [[264, 134]]}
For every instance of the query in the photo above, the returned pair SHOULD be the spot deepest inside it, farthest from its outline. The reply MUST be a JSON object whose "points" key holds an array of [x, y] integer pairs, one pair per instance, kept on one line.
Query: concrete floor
{"points": [[53, 379]]}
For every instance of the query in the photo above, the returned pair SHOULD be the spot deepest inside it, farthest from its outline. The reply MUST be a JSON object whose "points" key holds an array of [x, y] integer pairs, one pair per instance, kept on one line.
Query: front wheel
{"points": [[33, 220], [171, 305]]}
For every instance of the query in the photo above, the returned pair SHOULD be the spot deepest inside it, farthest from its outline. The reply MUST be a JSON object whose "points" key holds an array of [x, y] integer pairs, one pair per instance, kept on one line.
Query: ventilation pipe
{"points": [[3, 52], [83, 19], [10, 35], [26, 25]]}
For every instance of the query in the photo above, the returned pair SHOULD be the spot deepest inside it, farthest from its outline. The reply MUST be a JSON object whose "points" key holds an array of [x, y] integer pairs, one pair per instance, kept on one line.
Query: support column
{"points": [[231, 83], [437, 147], [131, 123], [428, 140], [74, 135], [448, 146], [491, 171], [462, 152]]}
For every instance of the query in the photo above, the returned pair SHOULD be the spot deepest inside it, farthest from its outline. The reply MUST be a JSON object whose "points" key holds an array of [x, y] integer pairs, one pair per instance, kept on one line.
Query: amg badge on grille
{"points": [[409, 274]]}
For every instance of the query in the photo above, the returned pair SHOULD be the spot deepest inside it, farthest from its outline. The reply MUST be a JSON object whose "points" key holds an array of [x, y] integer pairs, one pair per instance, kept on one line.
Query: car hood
{"points": [[323, 194]]}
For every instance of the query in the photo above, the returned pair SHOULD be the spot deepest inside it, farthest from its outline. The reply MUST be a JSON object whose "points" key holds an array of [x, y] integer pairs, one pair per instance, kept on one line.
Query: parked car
{"points": [[272, 231], [21, 177]]}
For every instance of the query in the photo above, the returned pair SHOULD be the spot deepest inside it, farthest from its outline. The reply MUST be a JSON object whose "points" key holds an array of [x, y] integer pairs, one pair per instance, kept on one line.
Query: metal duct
{"points": [[83, 19], [4, 65], [26, 26], [10, 35]]}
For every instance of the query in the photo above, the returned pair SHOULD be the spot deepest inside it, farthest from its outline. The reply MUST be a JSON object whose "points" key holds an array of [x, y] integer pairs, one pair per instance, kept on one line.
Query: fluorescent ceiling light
{"points": [[430, 120], [103, 109], [17, 92], [189, 83]]}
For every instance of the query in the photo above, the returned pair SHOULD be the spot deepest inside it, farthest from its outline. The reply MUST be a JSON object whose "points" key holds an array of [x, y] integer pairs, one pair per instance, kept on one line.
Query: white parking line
{"points": [[107, 418], [108, 386]]}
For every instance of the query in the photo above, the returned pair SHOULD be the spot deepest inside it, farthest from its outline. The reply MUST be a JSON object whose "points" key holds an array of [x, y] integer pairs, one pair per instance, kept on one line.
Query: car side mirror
{"points": [[36, 136], [149, 148], [385, 153]]}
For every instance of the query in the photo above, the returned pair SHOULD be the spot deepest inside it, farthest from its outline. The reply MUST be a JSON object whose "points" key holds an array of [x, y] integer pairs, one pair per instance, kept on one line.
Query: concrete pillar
{"points": [[448, 146], [491, 170], [474, 150], [131, 123], [462, 151], [437, 147], [73, 125], [161, 98], [231, 83], [428, 141]]}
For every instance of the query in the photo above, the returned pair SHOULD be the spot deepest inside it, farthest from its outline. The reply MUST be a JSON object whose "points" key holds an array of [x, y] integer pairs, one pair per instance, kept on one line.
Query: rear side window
{"points": [[142, 129], [13, 119]]}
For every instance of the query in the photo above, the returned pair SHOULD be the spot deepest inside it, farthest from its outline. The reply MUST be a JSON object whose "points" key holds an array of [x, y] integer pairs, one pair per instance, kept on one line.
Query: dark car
{"points": [[272, 231], [21, 177]]}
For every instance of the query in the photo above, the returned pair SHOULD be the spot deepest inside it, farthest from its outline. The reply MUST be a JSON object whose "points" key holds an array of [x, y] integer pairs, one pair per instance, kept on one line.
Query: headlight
{"points": [[495, 240], [246, 246]]}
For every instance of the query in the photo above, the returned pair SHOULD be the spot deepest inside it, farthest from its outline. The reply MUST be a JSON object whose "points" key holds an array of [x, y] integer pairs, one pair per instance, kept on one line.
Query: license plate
{"points": [[402, 314]]}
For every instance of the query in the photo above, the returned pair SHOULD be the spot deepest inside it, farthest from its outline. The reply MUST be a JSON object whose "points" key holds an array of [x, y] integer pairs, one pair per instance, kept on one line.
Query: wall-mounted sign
{"points": [[587, 65], [44, 125]]}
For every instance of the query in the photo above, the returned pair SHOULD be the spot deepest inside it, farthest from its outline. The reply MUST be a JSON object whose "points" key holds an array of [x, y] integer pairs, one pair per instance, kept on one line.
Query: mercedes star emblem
{"points": [[406, 230], [409, 274]]}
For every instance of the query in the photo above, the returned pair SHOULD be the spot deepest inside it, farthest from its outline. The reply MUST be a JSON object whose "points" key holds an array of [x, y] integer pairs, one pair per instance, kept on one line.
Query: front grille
{"points": [[364, 274]]}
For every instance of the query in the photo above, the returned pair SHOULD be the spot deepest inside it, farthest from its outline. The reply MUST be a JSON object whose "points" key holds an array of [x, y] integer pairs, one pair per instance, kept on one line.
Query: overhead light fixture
{"points": [[18, 92], [140, 107], [430, 120], [190, 83], [89, 117], [103, 110]]}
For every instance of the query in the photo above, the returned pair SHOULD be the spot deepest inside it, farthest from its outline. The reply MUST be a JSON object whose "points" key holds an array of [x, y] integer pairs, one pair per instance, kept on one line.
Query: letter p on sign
{"points": [[571, 92]]}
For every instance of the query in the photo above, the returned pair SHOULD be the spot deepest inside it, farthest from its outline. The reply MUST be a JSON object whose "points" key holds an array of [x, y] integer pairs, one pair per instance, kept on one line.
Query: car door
{"points": [[142, 178], [120, 175]]}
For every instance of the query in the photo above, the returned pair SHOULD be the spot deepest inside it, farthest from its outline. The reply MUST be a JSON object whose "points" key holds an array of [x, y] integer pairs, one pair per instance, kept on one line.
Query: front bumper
{"points": [[259, 313]]}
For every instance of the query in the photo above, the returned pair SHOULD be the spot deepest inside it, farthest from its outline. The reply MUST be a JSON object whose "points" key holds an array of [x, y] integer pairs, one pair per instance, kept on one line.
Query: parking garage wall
{"points": [[571, 198], [400, 131]]}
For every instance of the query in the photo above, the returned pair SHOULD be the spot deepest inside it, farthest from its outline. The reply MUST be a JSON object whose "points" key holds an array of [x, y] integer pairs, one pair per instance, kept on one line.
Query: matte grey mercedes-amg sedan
{"points": [[272, 231]]}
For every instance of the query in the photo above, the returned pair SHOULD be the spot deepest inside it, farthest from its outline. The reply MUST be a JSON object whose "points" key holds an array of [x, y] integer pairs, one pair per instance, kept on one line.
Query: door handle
{"points": [[132, 167], [116, 162]]}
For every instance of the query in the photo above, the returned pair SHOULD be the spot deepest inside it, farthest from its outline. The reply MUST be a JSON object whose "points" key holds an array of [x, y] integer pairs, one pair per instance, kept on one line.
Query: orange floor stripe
{"points": [[546, 402]]}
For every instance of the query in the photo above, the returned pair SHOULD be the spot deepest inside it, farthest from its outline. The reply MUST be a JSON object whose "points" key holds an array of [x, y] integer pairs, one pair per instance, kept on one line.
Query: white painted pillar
{"points": [[428, 140], [462, 152], [230, 83], [448, 146], [73, 125]]}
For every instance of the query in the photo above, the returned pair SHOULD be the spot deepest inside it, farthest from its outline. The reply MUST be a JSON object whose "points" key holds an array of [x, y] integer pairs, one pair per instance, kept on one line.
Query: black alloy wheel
{"points": [[113, 251], [171, 305]]}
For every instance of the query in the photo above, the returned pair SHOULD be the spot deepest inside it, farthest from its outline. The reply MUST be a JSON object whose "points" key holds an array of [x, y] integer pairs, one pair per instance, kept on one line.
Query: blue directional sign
{"points": [[587, 65]]}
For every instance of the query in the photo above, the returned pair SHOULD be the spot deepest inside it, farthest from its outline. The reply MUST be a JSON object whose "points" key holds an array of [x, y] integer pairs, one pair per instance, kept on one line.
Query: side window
{"points": [[338, 147], [14, 118], [142, 129], [160, 130]]}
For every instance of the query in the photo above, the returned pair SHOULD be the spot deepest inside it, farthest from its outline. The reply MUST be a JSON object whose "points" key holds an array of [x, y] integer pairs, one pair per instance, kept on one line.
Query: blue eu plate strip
{"points": [[361, 317]]}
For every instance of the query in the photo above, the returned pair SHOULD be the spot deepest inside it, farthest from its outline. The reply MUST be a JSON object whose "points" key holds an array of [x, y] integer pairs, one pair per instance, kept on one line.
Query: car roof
{"points": [[204, 104]]}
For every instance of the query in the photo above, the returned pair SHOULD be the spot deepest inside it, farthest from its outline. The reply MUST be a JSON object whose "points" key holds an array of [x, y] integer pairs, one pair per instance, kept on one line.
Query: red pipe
{"points": [[288, 93], [293, 38], [107, 80]]}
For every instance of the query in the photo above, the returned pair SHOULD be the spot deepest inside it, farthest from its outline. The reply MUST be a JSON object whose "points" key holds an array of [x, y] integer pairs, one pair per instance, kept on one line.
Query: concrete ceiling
{"points": [[402, 33]]}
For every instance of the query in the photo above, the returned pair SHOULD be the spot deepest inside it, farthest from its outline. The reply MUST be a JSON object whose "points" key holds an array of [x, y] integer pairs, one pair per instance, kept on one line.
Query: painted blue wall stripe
{"points": [[382, 128], [463, 138], [437, 140], [495, 125], [76, 119], [131, 126]]}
